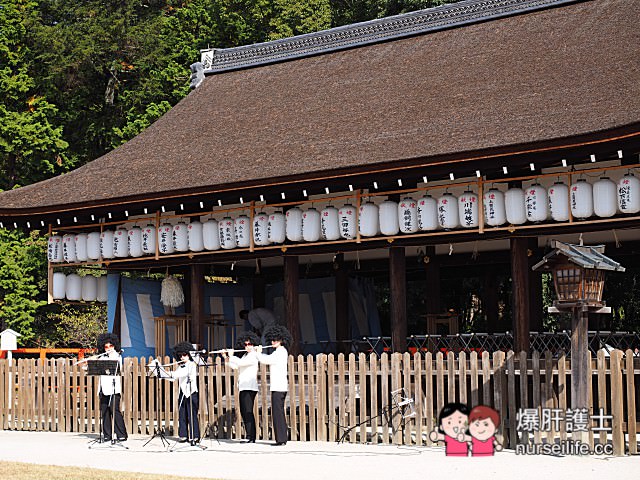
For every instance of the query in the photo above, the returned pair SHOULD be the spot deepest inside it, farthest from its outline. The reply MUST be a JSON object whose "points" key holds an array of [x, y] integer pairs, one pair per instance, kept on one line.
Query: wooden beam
{"points": [[291, 302], [490, 299], [535, 287], [580, 358], [432, 274], [520, 293], [196, 284], [259, 286], [343, 328], [398, 287]]}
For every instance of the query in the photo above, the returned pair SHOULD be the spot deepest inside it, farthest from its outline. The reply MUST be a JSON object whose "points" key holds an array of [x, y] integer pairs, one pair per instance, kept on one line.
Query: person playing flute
{"points": [[247, 365], [280, 339], [110, 390]]}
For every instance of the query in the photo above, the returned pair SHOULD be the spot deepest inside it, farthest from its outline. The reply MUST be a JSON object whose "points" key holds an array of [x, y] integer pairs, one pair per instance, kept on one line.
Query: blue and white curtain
{"points": [[141, 303]]}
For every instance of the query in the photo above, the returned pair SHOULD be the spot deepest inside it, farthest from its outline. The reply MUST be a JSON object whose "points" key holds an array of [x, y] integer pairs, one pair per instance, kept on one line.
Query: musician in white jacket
{"points": [[188, 400], [247, 365], [280, 339], [110, 389]]}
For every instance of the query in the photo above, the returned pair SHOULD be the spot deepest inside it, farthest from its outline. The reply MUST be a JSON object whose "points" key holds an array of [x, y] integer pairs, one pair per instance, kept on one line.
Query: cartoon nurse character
{"points": [[483, 425], [452, 425]]}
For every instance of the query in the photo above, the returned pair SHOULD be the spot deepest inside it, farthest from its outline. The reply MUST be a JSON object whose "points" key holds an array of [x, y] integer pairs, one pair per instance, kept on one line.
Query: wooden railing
{"points": [[328, 394]]}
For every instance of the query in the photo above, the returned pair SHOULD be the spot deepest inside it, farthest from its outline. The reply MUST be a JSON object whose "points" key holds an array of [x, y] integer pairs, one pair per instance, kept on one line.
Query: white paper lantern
{"points": [[536, 203], [120, 243], [59, 285], [106, 244], [427, 213], [330, 223], [227, 232], [180, 237], [242, 229], [388, 215], [559, 202], [89, 288], [605, 198], [69, 248], [261, 229], [347, 221], [581, 199], [448, 211], [80, 240], [408, 215], [149, 238], [495, 213], [514, 206], [134, 238], [194, 231], [276, 227], [629, 194], [54, 248], [103, 289], [93, 245], [369, 220], [211, 234], [73, 287], [468, 210], [311, 225], [165, 239], [294, 224]]}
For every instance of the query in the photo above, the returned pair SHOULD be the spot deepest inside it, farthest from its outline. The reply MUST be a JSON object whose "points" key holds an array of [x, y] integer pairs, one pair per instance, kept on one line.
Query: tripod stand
{"points": [[155, 370], [400, 402], [208, 429], [105, 369]]}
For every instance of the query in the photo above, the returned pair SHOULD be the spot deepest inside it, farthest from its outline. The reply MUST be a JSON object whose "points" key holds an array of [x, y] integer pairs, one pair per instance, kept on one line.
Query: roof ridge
{"points": [[452, 15]]}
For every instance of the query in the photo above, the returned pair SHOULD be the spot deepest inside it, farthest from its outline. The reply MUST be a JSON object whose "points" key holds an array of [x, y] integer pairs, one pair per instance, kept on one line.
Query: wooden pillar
{"points": [[490, 300], [432, 274], [117, 314], [259, 287], [520, 293], [398, 290], [291, 302], [580, 358], [343, 328], [196, 288], [535, 288]]}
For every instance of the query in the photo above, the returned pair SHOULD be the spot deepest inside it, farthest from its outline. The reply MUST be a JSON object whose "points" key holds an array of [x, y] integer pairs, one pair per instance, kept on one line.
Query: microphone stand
{"points": [[114, 437]]}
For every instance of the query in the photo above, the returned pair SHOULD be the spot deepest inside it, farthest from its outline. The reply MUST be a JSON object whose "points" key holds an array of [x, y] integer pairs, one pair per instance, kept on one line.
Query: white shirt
{"points": [[187, 374], [277, 362], [110, 384], [247, 367]]}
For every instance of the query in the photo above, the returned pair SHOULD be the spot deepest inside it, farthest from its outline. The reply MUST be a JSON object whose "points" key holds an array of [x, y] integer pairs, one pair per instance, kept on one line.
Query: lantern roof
{"points": [[590, 257], [480, 81]]}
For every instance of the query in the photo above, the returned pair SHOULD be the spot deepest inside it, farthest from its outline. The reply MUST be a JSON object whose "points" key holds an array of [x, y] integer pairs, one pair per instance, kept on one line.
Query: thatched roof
{"points": [[533, 79]]}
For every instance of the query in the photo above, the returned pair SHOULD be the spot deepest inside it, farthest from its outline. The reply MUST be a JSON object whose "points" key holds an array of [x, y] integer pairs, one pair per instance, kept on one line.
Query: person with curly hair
{"points": [[110, 390], [247, 365], [188, 400], [280, 339]]}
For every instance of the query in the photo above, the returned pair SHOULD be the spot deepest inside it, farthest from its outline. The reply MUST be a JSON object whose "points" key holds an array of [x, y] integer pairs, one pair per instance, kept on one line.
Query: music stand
{"points": [[155, 370], [108, 368]]}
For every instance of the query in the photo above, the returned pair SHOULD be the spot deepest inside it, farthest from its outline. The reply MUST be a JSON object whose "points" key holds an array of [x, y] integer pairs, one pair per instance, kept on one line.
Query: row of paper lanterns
{"points": [[75, 288], [604, 198]]}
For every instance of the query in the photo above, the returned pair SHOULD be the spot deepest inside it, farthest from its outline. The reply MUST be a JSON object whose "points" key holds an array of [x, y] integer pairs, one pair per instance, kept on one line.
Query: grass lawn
{"points": [[29, 471]]}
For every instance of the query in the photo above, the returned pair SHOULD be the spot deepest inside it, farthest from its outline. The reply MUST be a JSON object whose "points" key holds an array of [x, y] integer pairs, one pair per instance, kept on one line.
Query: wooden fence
{"points": [[328, 395]]}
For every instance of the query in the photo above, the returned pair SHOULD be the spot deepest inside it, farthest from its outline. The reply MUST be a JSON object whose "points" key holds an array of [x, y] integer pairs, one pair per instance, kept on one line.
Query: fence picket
{"points": [[511, 395], [631, 403], [617, 399], [562, 389], [362, 381]]}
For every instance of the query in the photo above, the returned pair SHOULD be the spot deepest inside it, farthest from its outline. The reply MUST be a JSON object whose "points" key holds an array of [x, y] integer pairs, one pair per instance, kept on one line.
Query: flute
{"points": [[224, 350], [92, 357]]}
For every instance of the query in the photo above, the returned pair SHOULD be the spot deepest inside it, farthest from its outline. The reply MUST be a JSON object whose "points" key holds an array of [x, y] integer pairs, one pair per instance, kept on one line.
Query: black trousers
{"points": [[247, 399], [188, 416], [105, 409], [280, 429]]}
